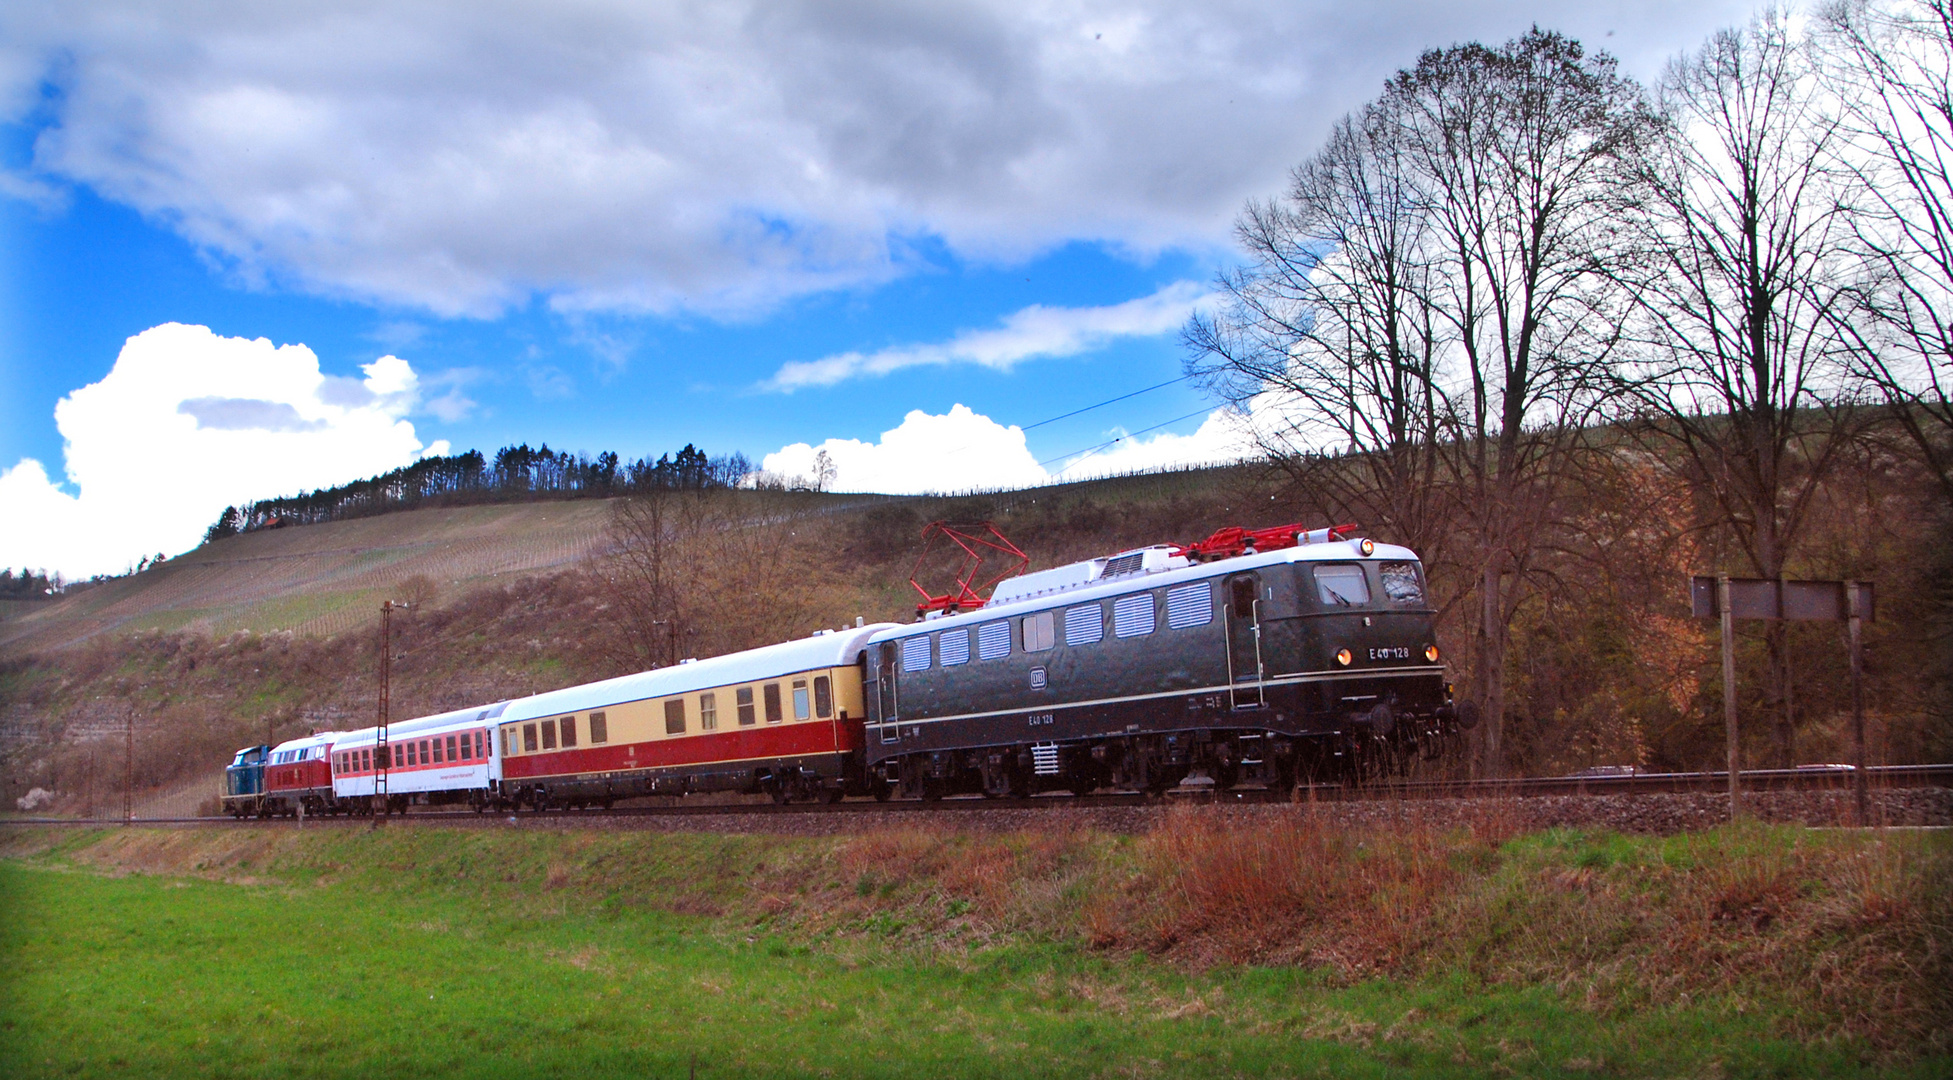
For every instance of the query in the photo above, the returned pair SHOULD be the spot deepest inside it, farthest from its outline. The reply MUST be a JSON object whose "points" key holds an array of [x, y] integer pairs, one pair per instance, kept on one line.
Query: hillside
{"points": [[316, 580]]}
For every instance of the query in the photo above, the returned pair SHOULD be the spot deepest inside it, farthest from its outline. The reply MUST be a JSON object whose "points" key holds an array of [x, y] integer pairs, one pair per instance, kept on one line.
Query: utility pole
{"points": [[1856, 604], [129, 770], [380, 808]]}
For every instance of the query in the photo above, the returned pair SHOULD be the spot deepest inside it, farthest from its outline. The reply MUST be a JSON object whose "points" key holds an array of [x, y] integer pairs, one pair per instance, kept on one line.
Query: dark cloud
{"points": [[622, 155]]}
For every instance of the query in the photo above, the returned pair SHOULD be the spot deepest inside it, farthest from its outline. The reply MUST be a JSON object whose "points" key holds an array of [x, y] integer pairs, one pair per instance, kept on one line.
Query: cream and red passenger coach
{"points": [[785, 719]]}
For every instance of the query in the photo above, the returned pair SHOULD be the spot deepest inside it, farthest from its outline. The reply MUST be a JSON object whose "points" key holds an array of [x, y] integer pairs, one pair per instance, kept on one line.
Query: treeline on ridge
{"points": [[518, 474]]}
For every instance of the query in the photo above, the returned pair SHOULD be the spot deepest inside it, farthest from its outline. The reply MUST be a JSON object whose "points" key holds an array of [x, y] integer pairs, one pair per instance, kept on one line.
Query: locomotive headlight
{"points": [[1367, 546], [1431, 653], [1343, 657]]}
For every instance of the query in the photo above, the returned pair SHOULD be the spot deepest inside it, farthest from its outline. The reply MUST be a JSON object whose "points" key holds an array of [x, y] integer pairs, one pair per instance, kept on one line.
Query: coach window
{"points": [[743, 697], [823, 697], [708, 712], [675, 716], [436, 759], [451, 756], [772, 696], [467, 745], [528, 738], [1038, 635], [407, 754], [599, 728], [568, 724], [1132, 616], [802, 705], [1084, 624], [366, 761]]}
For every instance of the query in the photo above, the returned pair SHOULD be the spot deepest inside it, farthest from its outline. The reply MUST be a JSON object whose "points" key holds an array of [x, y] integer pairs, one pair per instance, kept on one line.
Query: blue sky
{"points": [[766, 228]]}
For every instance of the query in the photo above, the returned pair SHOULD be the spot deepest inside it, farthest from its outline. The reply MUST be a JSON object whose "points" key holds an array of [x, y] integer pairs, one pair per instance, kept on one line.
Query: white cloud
{"points": [[1032, 332], [651, 156], [963, 450], [186, 423]]}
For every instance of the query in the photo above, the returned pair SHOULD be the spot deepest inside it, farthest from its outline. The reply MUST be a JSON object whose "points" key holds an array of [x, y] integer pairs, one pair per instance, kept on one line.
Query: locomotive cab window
{"points": [[1342, 585], [772, 695], [823, 697], [1400, 583], [1241, 597], [743, 697], [708, 712], [802, 704], [674, 717], [599, 728], [1038, 632]]}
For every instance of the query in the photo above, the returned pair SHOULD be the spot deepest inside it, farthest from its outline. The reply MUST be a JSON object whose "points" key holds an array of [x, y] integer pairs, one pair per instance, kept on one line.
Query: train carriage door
{"points": [[887, 662], [1243, 597]]}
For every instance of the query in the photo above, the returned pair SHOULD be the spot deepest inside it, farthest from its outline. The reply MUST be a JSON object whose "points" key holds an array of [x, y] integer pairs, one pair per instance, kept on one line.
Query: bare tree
{"points": [[1521, 151], [1327, 339], [1744, 224], [1892, 66]]}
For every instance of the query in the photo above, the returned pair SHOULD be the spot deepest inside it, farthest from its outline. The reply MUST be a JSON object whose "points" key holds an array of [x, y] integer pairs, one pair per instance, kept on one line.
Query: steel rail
{"points": [[1882, 777]]}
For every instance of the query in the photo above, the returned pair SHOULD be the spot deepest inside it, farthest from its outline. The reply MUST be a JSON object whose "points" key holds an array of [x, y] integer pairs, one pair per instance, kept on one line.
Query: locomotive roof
{"points": [[834, 648], [1331, 551], [454, 719]]}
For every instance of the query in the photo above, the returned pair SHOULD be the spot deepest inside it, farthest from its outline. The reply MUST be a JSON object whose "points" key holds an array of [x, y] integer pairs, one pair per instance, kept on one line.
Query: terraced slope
{"points": [[319, 579]]}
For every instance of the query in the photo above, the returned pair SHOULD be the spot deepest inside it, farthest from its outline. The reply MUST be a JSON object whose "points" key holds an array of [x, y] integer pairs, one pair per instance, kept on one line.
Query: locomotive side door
{"points": [[887, 661], [1242, 595]]}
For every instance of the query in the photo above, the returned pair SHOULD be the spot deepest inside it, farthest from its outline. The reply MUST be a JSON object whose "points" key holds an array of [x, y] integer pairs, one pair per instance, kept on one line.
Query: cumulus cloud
{"points": [[963, 450], [1033, 332], [186, 423], [649, 156]]}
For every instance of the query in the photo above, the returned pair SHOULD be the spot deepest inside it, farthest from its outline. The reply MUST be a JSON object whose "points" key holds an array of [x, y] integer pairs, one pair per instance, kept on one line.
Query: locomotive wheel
{"points": [[932, 789], [832, 795], [1082, 786], [882, 789]]}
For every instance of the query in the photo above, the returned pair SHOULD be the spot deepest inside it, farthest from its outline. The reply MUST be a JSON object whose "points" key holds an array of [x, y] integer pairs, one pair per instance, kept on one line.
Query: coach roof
{"points": [[827, 649]]}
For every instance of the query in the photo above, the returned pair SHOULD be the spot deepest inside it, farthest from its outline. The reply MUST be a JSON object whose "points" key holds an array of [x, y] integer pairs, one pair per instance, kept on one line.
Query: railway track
{"points": [[1837, 778]]}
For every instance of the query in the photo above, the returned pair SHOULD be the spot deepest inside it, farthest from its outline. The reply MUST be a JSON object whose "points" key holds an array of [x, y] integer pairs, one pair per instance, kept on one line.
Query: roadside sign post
{"points": [[1849, 602], [1729, 696]]}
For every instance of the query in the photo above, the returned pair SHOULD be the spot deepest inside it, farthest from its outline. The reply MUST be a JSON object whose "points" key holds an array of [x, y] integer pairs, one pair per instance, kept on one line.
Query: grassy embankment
{"points": [[1198, 950]]}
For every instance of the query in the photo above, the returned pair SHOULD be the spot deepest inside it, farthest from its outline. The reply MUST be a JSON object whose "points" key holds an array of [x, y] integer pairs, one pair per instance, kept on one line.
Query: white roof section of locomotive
{"points": [[473, 716], [321, 738], [826, 649], [1100, 589]]}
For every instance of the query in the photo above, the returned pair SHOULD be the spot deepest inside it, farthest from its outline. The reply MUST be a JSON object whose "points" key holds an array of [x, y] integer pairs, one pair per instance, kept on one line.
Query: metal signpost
{"points": [[1729, 599]]}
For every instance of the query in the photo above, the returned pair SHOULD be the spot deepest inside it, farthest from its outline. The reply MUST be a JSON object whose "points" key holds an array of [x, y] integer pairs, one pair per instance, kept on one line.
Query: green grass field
{"points": [[513, 953]]}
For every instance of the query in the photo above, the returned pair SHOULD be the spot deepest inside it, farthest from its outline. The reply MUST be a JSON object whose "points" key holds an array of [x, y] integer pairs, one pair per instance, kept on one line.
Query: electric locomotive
{"points": [[1150, 668]]}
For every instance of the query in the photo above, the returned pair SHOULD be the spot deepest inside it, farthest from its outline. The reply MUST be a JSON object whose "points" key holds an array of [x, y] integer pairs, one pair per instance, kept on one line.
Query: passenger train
{"points": [[1261, 657]]}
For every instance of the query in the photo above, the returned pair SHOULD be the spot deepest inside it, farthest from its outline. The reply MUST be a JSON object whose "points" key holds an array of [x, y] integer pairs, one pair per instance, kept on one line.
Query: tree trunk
{"points": [[1491, 666]]}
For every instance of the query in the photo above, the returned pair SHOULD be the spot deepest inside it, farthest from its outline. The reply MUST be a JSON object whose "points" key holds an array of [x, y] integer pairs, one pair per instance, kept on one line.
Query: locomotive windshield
{"points": [[1342, 585], [1400, 583]]}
